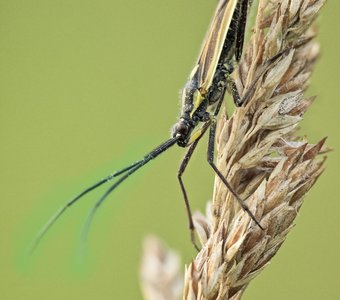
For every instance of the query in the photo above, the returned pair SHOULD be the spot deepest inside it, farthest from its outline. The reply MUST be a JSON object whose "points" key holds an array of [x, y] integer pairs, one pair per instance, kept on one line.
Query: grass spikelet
{"points": [[261, 154]]}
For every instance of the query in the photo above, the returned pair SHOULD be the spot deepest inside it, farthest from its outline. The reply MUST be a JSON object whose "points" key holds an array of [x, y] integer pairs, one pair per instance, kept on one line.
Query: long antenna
{"points": [[153, 154], [128, 170]]}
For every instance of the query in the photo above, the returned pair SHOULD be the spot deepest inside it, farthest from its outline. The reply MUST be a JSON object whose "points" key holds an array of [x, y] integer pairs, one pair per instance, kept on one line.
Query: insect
{"points": [[202, 98]]}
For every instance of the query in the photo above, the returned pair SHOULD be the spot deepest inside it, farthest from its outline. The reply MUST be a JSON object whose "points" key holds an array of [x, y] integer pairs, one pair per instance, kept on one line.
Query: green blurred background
{"points": [[86, 87]]}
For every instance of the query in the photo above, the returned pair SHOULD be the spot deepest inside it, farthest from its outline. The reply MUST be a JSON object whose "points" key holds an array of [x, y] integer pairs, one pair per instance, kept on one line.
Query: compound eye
{"points": [[180, 129]]}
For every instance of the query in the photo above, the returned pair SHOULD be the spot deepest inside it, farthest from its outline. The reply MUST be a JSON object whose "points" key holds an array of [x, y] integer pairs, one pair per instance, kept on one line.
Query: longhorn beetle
{"points": [[202, 98]]}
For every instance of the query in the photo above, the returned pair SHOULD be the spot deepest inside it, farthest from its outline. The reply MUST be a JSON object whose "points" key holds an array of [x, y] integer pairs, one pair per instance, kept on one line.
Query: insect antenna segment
{"points": [[126, 172]]}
